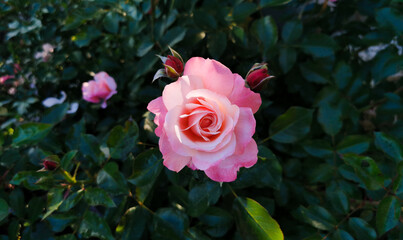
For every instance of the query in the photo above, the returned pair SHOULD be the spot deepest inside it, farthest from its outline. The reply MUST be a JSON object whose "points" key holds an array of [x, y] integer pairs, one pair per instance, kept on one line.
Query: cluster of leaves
{"points": [[330, 128]]}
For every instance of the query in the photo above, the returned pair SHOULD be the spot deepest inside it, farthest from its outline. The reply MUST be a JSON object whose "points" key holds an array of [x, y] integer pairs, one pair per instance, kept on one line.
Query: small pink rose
{"points": [[205, 121], [100, 89]]}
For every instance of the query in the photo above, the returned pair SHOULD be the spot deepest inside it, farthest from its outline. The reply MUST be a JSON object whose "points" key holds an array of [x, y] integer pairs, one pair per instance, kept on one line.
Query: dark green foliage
{"points": [[329, 131]]}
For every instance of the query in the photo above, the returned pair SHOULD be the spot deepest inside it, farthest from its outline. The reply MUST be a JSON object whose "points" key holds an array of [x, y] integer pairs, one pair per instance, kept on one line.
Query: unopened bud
{"points": [[173, 67], [50, 165], [258, 77]]}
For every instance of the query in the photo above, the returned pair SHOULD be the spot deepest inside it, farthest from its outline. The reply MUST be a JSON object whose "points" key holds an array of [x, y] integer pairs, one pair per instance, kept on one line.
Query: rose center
{"points": [[205, 122]]}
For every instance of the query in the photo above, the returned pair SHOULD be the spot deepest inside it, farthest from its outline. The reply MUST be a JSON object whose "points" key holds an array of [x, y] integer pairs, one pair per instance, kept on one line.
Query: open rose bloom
{"points": [[100, 89], [205, 121]]}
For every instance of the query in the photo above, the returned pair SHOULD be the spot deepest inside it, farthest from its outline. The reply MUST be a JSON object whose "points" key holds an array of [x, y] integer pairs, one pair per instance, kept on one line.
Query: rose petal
{"points": [[172, 160], [204, 160], [215, 75], [244, 129], [244, 97], [226, 170], [157, 107]]}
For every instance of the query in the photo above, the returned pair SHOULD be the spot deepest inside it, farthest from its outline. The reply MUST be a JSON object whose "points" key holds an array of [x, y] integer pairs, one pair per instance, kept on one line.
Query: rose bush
{"points": [[205, 121]]}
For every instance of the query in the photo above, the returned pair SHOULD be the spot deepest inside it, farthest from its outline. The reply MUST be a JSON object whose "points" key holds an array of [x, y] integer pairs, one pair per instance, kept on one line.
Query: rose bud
{"points": [[258, 77], [173, 66], [50, 165]]}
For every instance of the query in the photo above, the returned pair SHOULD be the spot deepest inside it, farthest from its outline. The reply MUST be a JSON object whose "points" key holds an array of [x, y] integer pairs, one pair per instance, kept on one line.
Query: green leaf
{"points": [[254, 222], [122, 140], [390, 18], [169, 224], [292, 125], [173, 36], [59, 222], [147, 167], [366, 170], [267, 172], [135, 222], [4, 209], [362, 229], [342, 75], [112, 180], [316, 216], [292, 30], [144, 48], [89, 146], [97, 196], [272, 3], [111, 22], [71, 201], [55, 114], [28, 179], [320, 173], [201, 196], [341, 235], [357, 144], [243, 10], [330, 118], [338, 200], [388, 214], [204, 20], [84, 38], [55, 199], [93, 225], [35, 208], [216, 44], [389, 145], [318, 148], [314, 73], [65, 163], [287, 58], [31, 133], [217, 221], [319, 45], [266, 31], [17, 202]]}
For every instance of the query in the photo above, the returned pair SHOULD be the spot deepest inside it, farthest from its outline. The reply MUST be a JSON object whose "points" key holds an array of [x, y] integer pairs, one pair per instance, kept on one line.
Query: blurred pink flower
{"points": [[5, 78], [46, 53], [205, 121], [100, 89]]}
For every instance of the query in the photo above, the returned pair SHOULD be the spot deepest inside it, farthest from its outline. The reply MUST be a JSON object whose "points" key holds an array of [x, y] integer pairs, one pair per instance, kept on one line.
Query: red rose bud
{"points": [[50, 165], [257, 78], [173, 67]]}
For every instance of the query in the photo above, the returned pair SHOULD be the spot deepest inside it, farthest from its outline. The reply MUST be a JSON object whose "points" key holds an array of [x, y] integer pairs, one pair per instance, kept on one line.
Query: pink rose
{"points": [[3, 79], [205, 121], [101, 89]]}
